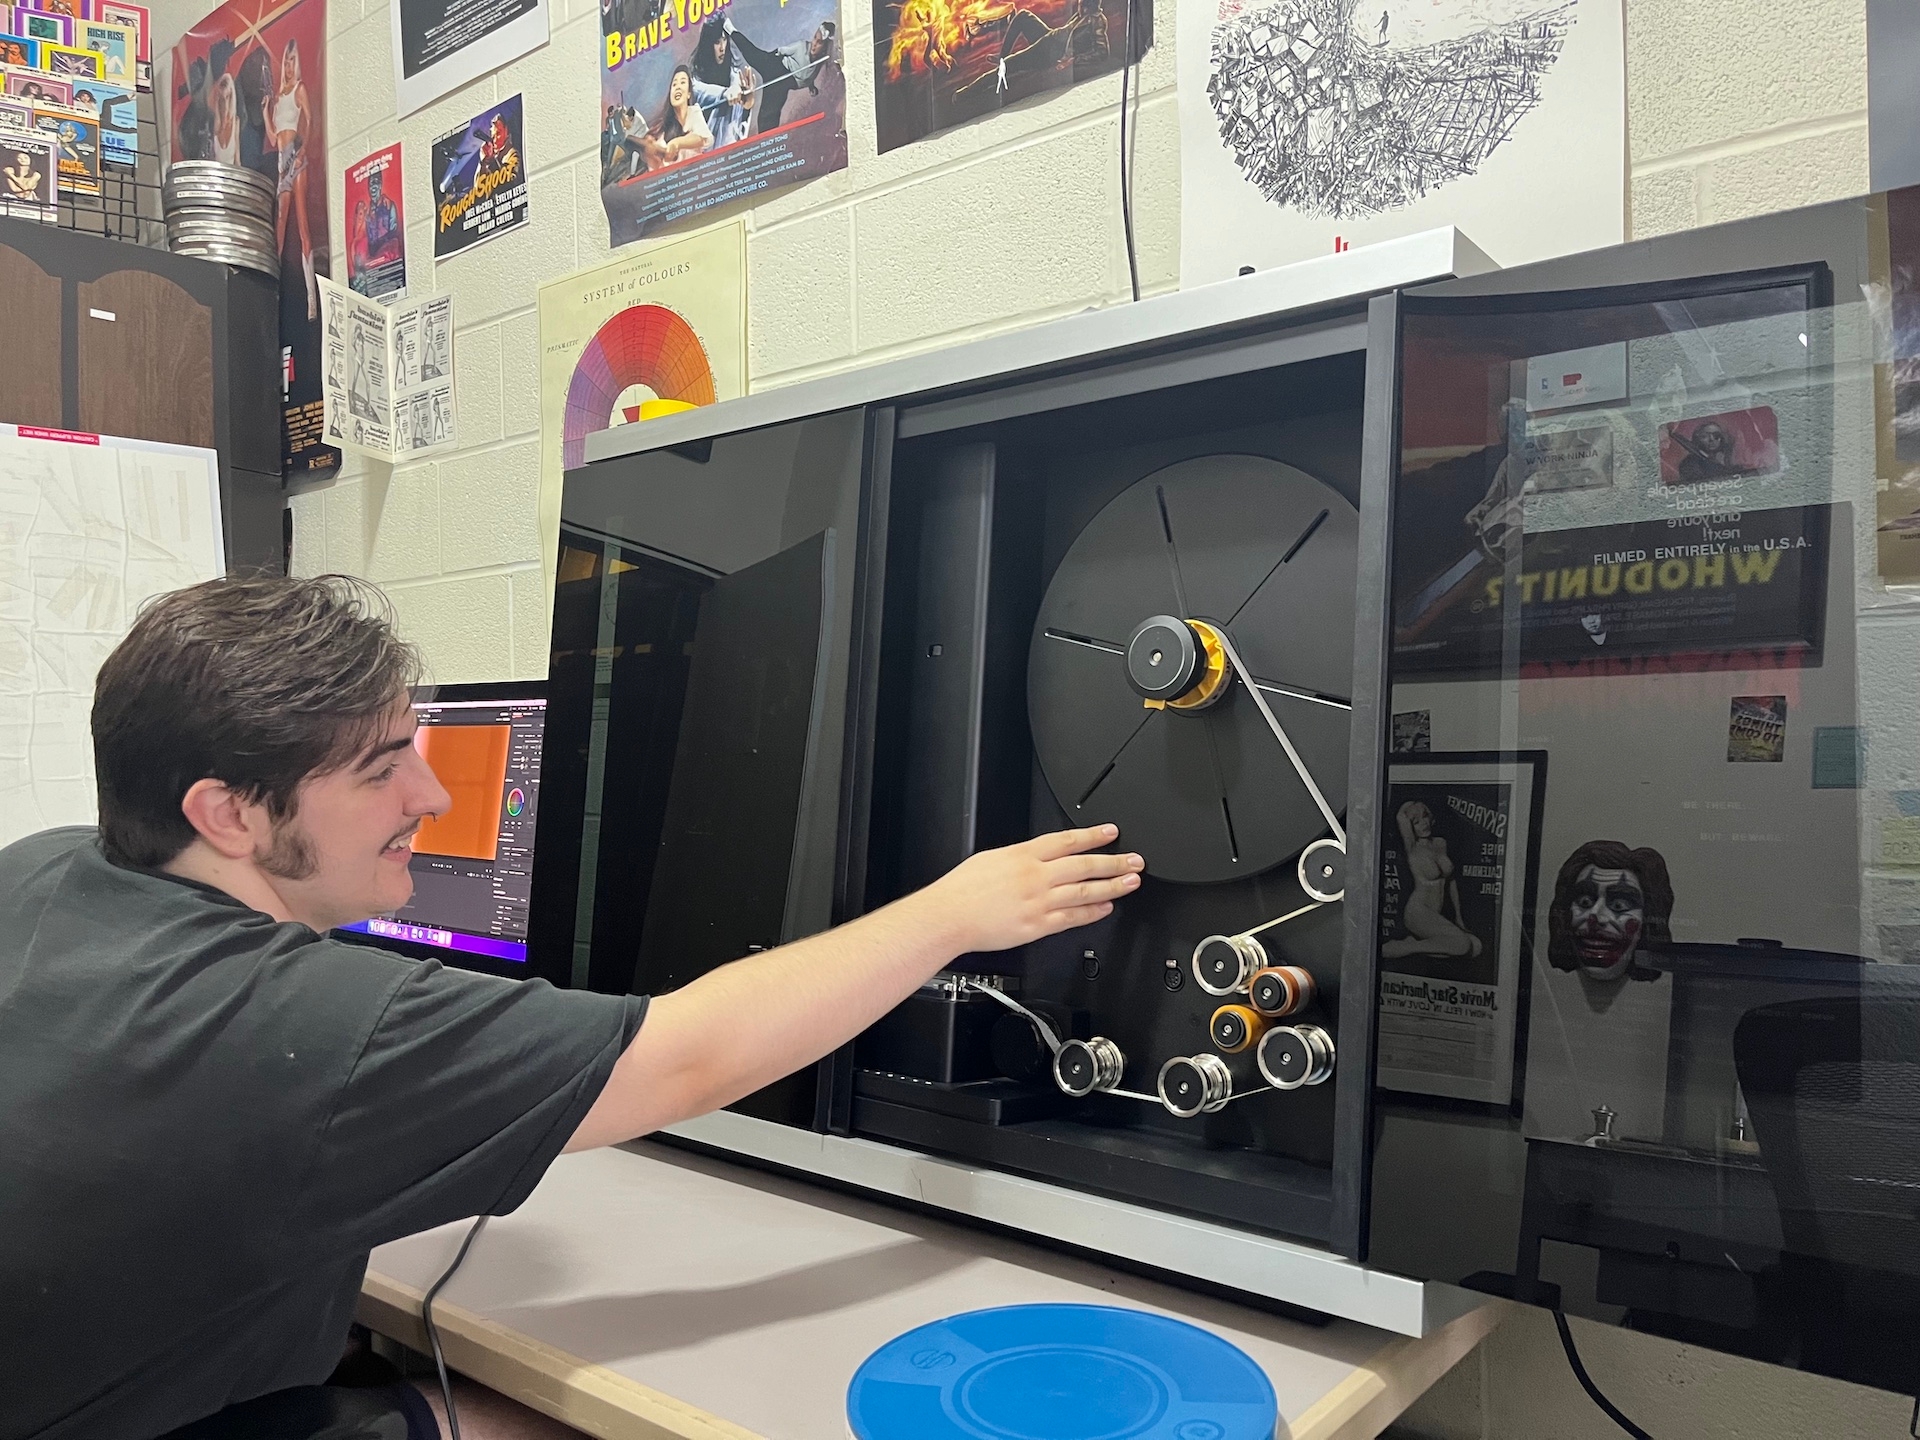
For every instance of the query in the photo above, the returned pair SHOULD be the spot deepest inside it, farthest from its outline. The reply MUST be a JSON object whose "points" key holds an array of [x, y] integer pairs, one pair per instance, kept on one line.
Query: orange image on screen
{"points": [[471, 761]]}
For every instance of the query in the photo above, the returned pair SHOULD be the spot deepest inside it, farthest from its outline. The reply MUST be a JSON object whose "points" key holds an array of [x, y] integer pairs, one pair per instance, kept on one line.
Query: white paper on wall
{"points": [[90, 527], [387, 374], [1310, 126]]}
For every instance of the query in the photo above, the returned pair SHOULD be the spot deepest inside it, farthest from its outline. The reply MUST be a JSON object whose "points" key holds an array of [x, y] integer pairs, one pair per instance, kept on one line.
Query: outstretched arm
{"points": [[748, 1023]]}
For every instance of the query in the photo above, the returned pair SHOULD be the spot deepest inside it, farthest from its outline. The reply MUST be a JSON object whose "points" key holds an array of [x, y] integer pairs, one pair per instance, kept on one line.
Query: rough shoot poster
{"points": [[479, 180], [705, 102]]}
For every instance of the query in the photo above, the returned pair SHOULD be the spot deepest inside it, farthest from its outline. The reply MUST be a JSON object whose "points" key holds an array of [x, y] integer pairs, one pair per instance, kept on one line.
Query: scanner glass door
{"points": [[1648, 1047]]}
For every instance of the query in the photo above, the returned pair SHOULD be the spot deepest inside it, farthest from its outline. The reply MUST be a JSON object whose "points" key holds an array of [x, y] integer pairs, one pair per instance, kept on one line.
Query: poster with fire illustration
{"points": [[705, 102], [939, 63]]}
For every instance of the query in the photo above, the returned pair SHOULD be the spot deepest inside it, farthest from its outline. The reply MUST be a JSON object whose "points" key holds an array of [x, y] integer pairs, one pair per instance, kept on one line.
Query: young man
{"points": [[210, 1112]]}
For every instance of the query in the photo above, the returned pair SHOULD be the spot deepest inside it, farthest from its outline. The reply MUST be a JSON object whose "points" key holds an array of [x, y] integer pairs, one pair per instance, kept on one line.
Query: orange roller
{"points": [[1234, 1028], [1280, 990]]}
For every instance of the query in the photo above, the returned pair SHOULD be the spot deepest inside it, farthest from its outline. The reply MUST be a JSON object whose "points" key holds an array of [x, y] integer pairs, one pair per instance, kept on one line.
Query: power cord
{"points": [[1126, 152], [433, 1332], [1586, 1381]]}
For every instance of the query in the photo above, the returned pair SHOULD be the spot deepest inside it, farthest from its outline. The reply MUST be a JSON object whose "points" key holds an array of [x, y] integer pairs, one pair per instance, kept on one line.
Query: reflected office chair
{"points": [[1833, 1086]]}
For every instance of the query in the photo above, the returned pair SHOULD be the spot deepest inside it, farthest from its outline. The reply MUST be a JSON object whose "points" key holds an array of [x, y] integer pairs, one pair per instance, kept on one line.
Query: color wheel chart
{"points": [[645, 345]]}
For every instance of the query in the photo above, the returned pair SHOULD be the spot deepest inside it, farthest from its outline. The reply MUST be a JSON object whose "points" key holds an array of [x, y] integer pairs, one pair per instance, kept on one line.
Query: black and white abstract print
{"points": [[1322, 110]]}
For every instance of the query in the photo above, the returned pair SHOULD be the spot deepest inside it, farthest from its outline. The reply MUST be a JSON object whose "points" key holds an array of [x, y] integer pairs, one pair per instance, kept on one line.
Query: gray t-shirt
{"points": [[207, 1118]]}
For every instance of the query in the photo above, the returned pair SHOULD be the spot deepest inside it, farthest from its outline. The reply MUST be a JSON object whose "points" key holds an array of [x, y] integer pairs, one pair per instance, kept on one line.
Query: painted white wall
{"points": [[1736, 108]]}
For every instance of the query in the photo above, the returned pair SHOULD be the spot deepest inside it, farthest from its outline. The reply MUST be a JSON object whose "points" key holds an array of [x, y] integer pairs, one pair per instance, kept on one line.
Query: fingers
{"points": [[1091, 867], [1091, 892], [1080, 915], [1062, 843]]}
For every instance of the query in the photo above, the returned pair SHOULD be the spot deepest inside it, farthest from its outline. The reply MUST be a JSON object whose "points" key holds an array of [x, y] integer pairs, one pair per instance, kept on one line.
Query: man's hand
{"points": [[1002, 898], [748, 1023]]}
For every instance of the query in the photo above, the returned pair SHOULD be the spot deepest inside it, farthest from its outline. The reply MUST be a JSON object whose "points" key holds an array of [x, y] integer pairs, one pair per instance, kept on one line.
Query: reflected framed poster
{"points": [[1459, 861]]}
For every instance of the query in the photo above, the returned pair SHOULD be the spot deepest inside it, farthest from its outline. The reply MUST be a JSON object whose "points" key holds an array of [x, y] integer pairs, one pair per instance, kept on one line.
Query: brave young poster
{"points": [[703, 103]]}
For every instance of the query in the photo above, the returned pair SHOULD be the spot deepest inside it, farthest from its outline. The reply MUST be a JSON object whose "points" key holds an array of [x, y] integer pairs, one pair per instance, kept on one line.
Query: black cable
{"points": [[1126, 165], [433, 1333], [1586, 1382]]}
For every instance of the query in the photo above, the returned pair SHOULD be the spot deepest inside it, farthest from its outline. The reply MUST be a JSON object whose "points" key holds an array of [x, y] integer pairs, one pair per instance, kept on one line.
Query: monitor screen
{"points": [[473, 866]]}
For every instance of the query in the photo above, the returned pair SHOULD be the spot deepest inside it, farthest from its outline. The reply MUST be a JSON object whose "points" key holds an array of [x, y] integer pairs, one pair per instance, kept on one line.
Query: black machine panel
{"points": [[703, 643], [1264, 554], [1044, 549]]}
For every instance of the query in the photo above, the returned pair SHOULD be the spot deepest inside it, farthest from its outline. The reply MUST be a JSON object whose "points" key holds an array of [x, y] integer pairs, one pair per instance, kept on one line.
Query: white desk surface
{"points": [[649, 1292]]}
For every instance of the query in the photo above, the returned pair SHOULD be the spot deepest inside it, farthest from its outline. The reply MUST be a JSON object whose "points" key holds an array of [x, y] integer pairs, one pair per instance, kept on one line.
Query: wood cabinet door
{"points": [[30, 358], [146, 359]]}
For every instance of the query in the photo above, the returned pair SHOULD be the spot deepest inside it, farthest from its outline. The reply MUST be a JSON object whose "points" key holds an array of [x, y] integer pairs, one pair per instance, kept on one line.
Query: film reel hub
{"points": [[1149, 722]]}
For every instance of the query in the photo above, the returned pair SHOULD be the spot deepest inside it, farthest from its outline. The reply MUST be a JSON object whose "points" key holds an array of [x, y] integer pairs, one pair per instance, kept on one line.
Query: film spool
{"points": [[1084, 1066], [1291, 1056], [1280, 990], [1193, 1085], [1234, 1028], [1222, 964]]}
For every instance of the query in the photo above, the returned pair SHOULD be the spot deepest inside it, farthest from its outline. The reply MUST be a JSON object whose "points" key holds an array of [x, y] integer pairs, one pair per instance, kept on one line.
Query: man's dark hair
{"points": [[258, 684]]}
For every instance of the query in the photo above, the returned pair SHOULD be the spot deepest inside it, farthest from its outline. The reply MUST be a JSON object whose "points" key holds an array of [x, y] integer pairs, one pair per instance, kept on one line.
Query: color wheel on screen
{"points": [[516, 800], [643, 345]]}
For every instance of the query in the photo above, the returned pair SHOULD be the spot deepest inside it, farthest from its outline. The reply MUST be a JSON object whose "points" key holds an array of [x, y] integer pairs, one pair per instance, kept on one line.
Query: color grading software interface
{"points": [[473, 867]]}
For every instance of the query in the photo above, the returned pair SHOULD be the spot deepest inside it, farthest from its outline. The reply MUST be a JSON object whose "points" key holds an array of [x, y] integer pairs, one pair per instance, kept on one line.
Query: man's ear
{"points": [[228, 823]]}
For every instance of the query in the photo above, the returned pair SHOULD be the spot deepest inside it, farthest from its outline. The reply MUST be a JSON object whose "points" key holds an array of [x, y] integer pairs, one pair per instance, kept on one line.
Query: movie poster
{"points": [[29, 163], [250, 88], [440, 45], [668, 322], [1686, 588], [1455, 907], [479, 180], [34, 86], [940, 63], [139, 19], [705, 103], [1757, 729], [118, 47], [76, 136], [39, 25], [119, 114], [376, 230]]}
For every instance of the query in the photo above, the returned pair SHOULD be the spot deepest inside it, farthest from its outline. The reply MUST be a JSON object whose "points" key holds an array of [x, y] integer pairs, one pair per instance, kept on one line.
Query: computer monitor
{"points": [[473, 867]]}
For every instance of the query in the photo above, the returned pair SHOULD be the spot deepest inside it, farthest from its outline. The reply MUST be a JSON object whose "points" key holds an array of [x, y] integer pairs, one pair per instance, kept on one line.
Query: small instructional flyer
{"points": [[387, 374]]}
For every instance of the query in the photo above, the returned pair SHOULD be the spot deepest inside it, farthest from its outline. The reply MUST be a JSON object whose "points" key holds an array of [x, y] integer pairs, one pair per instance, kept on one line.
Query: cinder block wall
{"points": [[1735, 108]]}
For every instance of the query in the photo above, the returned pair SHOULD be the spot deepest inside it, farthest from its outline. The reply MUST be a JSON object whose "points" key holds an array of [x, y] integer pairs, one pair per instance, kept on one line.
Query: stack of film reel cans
{"points": [[221, 212]]}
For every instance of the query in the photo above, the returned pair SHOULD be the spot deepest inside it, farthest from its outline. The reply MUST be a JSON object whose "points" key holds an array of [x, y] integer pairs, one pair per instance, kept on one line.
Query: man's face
{"points": [[1608, 911], [820, 43], [342, 857]]}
